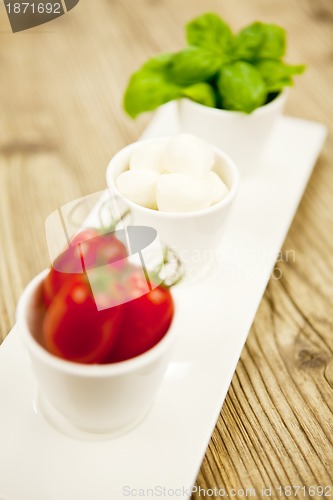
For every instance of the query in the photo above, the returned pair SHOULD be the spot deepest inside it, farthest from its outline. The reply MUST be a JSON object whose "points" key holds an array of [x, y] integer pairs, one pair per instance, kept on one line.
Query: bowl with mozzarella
{"points": [[184, 188]]}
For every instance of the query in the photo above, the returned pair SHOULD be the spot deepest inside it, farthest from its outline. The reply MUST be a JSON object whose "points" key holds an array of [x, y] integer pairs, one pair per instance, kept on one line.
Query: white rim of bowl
{"points": [[230, 164], [81, 369]]}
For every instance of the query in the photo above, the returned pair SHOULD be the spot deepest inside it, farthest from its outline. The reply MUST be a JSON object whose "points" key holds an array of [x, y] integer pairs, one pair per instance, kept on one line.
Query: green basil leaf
{"points": [[260, 41], [161, 62], [203, 93], [193, 65], [241, 87], [150, 87], [277, 74], [210, 32]]}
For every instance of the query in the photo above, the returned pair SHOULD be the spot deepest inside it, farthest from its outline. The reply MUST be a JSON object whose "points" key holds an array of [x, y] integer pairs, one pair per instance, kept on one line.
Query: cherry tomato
{"points": [[111, 251], [146, 320], [134, 318], [73, 328], [83, 249]]}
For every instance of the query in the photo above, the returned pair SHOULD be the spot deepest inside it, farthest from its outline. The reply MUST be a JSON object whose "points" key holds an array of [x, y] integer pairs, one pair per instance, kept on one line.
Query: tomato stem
{"points": [[109, 206], [170, 258]]}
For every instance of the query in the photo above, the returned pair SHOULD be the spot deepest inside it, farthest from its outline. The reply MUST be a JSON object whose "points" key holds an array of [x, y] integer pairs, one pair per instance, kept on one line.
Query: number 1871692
{"points": [[33, 8]]}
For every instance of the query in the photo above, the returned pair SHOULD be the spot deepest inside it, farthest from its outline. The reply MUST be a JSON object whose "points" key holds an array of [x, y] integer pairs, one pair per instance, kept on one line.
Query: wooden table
{"points": [[61, 120]]}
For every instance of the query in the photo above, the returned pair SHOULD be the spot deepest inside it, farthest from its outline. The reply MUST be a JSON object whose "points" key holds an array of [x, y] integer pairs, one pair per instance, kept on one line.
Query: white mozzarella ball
{"points": [[139, 186], [218, 188], [148, 156], [182, 193], [187, 154]]}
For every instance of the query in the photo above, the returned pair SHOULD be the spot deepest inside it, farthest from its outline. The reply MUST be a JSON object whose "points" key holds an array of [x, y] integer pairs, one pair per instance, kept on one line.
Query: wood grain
{"points": [[60, 122]]}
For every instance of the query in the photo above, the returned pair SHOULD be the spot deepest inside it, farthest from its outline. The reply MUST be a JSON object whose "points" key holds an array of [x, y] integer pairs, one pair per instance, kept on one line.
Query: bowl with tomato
{"points": [[97, 368]]}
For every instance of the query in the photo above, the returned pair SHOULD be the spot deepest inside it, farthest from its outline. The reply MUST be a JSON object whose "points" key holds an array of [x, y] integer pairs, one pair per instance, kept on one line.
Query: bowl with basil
{"points": [[230, 87]]}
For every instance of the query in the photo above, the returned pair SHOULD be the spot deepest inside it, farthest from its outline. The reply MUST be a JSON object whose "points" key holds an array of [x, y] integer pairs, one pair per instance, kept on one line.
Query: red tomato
{"points": [[88, 249], [111, 251], [73, 328], [83, 248], [146, 320]]}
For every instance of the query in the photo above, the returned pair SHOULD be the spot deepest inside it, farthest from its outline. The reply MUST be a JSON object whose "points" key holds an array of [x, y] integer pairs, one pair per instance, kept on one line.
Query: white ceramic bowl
{"points": [[195, 236], [101, 399], [244, 137]]}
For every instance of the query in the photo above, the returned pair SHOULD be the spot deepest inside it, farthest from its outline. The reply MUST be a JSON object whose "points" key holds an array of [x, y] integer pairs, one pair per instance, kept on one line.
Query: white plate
{"points": [[37, 462]]}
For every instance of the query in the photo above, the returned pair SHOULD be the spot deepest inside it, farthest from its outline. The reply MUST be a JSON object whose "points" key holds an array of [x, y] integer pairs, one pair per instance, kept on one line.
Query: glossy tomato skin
{"points": [[111, 251], [55, 280], [146, 320], [73, 328], [88, 249]]}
